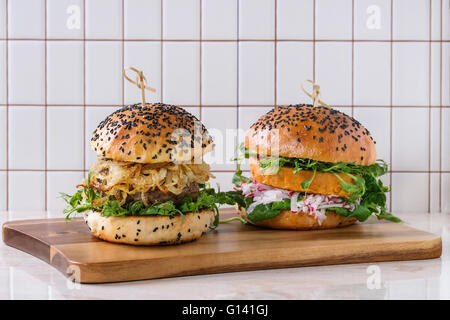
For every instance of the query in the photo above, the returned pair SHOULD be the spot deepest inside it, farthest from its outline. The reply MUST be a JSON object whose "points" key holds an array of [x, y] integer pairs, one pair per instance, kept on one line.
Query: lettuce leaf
{"points": [[208, 198], [365, 185]]}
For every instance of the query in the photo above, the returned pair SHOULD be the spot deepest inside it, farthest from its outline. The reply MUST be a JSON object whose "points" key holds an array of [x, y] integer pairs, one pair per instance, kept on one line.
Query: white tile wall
{"points": [[372, 19], [142, 19], [334, 71], [219, 19], [2, 18], [294, 64], [410, 84], [26, 19], [3, 74], [409, 192], [256, 73], [219, 67], [181, 74], [377, 120], [181, 19], [334, 19], [26, 191], [445, 20], [54, 93], [26, 76], [64, 147], [445, 139], [64, 19], [222, 121], [410, 139], [103, 19], [3, 187], [295, 19], [103, 73], [372, 74], [61, 182], [146, 55], [3, 141], [257, 19], [26, 137], [406, 14], [65, 72]]}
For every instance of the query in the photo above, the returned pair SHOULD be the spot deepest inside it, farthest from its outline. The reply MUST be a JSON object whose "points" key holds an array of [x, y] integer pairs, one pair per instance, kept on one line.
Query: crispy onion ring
{"points": [[119, 179]]}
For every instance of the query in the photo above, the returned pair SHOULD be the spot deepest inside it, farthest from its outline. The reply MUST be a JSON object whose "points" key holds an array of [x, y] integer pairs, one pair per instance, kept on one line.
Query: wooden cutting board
{"points": [[69, 247]]}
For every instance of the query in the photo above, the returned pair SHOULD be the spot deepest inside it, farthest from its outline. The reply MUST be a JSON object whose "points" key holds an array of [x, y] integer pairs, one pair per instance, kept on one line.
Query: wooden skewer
{"points": [[140, 82]]}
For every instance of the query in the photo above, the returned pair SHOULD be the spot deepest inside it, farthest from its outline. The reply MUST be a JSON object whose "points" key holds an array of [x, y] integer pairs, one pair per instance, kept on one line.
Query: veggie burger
{"points": [[312, 168], [149, 184]]}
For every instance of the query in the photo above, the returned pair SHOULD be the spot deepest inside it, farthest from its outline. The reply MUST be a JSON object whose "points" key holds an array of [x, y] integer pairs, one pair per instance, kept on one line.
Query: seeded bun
{"points": [[152, 134], [285, 178], [309, 132], [150, 230], [300, 221]]}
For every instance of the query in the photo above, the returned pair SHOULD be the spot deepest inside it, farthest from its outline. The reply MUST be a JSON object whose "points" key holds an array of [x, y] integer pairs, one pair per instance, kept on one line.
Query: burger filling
{"points": [[149, 183], [264, 196], [127, 189], [366, 193]]}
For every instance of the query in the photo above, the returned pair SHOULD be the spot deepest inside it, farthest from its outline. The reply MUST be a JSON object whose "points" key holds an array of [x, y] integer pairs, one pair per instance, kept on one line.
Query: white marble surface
{"points": [[23, 276]]}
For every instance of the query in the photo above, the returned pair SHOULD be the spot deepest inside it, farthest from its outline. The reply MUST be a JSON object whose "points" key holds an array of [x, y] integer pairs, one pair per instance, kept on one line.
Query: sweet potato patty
{"points": [[285, 178]]}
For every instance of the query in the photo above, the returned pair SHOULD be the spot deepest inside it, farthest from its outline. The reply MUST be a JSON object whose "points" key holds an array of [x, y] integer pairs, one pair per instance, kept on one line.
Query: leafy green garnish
{"points": [[365, 184], [307, 182], [207, 198], [268, 211]]}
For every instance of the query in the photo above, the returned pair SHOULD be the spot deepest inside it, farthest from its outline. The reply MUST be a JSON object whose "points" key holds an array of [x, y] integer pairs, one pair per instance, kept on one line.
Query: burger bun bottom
{"points": [[150, 230], [300, 221]]}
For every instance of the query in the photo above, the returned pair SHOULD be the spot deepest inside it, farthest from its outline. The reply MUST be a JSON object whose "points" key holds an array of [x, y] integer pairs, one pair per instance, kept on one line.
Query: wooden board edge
{"points": [[24, 242], [109, 272]]}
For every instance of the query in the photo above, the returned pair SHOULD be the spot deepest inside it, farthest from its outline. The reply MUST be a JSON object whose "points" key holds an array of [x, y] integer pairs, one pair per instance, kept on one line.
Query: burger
{"points": [[311, 168], [149, 185]]}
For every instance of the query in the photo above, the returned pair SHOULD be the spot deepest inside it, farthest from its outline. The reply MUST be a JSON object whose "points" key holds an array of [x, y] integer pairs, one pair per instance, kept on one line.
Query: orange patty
{"points": [[323, 183]]}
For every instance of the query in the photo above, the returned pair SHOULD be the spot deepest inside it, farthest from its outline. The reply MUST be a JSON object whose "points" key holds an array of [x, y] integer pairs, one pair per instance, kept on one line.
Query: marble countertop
{"points": [[23, 276]]}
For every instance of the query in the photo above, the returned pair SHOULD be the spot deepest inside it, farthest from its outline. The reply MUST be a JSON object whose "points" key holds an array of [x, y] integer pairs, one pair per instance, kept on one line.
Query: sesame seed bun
{"points": [[152, 134], [300, 221], [150, 230], [285, 178], [317, 133]]}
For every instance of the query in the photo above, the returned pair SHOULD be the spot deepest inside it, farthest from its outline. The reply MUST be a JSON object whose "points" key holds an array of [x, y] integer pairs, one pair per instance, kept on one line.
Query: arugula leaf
{"points": [[238, 178], [207, 198], [268, 211], [307, 182], [365, 184]]}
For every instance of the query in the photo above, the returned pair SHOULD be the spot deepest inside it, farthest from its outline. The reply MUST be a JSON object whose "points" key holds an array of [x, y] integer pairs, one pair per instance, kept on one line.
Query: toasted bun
{"points": [[285, 178], [151, 134], [150, 230], [300, 221], [319, 133]]}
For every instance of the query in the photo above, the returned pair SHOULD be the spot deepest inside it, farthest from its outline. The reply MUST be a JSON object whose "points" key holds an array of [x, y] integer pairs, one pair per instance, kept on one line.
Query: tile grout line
{"points": [[314, 41], [45, 110], [7, 105], [84, 90], [391, 100], [429, 106], [50, 105], [238, 3], [225, 170], [227, 40], [353, 58], [275, 53], [200, 62], [161, 69], [123, 52], [440, 112]]}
